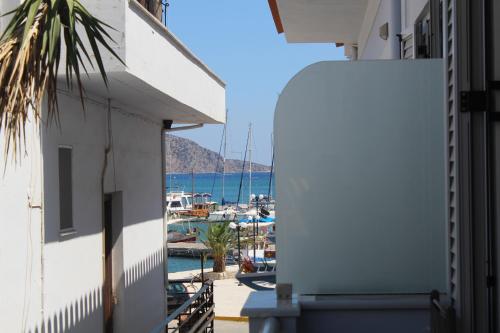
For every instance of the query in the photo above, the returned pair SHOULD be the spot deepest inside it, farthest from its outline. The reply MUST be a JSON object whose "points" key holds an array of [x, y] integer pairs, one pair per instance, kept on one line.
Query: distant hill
{"points": [[184, 155]]}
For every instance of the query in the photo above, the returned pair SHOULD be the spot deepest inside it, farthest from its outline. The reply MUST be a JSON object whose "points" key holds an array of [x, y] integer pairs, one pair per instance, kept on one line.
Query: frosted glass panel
{"points": [[360, 178]]}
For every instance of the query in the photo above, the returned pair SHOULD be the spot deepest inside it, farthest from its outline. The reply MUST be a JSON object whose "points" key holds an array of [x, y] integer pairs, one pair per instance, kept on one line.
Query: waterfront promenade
{"points": [[229, 296]]}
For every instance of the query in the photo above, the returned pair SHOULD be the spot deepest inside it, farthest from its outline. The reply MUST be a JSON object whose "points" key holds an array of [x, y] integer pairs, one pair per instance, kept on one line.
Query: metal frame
{"points": [[476, 298], [195, 315]]}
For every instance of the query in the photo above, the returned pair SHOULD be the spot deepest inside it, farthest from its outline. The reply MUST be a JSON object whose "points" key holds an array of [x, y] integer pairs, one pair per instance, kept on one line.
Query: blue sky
{"points": [[238, 40]]}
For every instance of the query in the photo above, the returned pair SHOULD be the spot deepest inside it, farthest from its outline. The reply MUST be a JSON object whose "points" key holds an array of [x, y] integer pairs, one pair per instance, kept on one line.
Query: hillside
{"points": [[184, 155]]}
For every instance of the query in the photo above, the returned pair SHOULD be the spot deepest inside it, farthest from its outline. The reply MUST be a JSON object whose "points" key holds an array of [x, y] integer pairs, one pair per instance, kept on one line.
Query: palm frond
{"points": [[30, 54]]}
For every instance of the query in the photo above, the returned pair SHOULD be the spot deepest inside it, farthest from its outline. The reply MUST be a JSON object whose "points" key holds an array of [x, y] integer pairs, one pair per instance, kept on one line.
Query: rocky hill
{"points": [[184, 156]]}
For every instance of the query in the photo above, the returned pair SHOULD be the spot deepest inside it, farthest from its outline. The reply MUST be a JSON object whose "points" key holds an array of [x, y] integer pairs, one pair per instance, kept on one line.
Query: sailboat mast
{"points": [[224, 159], [192, 187], [250, 165]]}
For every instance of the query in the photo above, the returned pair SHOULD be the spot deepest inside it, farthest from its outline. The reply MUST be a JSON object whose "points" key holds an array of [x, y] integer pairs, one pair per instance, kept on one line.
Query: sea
{"points": [[234, 185]]}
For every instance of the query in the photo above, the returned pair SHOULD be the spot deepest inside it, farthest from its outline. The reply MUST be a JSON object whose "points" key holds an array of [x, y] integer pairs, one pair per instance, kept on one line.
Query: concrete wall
{"points": [[360, 178], [20, 240], [73, 263], [54, 280], [371, 46], [183, 76]]}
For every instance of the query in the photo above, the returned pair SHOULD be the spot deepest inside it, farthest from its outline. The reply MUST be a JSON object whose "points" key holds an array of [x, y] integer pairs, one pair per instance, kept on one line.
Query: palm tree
{"points": [[219, 238], [30, 54]]}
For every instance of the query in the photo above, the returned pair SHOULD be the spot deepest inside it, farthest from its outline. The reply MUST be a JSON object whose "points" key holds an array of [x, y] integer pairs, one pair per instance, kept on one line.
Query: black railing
{"points": [[442, 317], [195, 315], [157, 8]]}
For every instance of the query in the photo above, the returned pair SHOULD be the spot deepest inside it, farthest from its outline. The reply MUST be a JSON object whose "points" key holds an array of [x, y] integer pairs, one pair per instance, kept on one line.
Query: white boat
{"points": [[226, 214], [179, 202]]}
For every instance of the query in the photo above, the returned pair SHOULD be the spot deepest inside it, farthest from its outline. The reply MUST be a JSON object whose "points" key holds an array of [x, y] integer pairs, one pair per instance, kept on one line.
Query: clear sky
{"points": [[238, 40]]}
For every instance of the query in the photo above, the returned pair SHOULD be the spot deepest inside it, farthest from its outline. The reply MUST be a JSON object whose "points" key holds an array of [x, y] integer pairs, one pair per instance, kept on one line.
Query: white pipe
{"points": [[395, 29]]}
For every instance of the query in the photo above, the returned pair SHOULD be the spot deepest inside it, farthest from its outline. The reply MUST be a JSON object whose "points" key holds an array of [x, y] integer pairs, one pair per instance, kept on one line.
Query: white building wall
{"points": [[410, 11], [183, 76], [360, 182], [5, 7], [371, 45], [20, 238], [401, 16], [73, 263], [137, 171], [73, 274]]}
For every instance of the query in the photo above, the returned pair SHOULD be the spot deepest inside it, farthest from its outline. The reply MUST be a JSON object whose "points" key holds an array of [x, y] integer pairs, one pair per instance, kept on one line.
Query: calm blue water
{"points": [[203, 183], [177, 264]]}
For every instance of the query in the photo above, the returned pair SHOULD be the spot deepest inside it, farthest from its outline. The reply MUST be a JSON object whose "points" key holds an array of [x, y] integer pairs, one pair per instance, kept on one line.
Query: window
{"points": [[429, 31], [65, 188], [184, 202], [176, 204], [423, 37]]}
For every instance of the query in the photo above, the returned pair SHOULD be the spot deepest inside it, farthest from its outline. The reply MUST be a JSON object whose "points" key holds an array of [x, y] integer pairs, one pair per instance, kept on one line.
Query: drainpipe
{"points": [[395, 29]]}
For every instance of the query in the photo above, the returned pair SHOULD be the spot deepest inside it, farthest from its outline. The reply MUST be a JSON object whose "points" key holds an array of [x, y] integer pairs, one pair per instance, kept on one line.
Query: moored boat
{"points": [[177, 237]]}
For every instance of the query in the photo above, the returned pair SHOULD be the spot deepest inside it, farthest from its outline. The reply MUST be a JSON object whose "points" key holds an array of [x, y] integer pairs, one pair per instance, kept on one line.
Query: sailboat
{"points": [[227, 213]]}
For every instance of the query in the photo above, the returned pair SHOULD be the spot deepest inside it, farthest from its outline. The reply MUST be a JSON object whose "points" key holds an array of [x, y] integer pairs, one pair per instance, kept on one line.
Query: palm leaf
{"points": [[30, 54]]}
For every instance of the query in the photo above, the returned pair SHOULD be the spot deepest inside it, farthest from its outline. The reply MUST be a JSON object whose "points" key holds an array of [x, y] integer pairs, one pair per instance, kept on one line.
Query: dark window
{"points": [[176, 204], [65, 188], [423, 38]]}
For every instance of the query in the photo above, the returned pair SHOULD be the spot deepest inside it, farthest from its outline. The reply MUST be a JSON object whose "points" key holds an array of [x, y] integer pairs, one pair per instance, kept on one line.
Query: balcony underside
{"points": [[136, 95], [322, 21]]}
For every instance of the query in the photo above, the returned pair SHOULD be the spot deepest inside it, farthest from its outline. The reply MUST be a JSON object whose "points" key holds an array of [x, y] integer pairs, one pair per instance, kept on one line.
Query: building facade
{"points": [[81, 208], [464, 37]]}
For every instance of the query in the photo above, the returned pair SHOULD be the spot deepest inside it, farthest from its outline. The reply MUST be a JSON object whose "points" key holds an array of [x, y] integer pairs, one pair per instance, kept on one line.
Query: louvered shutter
{"points": [[451, 111], [407, 49]]}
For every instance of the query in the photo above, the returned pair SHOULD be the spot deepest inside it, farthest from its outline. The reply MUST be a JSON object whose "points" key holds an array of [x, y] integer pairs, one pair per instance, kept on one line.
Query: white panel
{"points": [[322, 21], [360, 178]]}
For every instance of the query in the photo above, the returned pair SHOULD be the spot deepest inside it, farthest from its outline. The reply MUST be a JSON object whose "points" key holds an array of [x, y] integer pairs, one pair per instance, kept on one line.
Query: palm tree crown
{"points": [[30, 54]]}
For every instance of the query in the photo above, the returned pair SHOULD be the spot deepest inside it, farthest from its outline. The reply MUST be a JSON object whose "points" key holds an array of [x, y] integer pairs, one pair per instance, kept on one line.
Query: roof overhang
{"points": [[320, 21]]}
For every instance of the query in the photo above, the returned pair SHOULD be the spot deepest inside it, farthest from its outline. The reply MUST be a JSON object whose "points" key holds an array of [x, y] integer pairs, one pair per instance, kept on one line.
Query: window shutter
{"points": [[65, 188], [451, 111], [407, 49]]}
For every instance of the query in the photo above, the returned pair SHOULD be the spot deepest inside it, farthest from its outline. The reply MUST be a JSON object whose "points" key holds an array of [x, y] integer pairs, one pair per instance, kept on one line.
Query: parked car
{"points": [[177, 294]]}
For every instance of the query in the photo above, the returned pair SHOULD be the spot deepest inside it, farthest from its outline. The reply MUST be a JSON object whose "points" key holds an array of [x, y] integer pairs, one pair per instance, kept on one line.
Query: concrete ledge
{"points": [[365, 302], [226, 318], [264, 304]]}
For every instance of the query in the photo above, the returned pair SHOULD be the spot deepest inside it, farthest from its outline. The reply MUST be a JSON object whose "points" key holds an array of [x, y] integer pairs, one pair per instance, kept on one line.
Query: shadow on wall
{"points": [[85, 314]]}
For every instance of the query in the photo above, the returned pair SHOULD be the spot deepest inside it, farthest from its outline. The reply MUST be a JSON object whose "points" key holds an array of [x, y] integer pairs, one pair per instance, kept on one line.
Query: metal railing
{"points": [[442, 317], [194, 315], [157, 8]]}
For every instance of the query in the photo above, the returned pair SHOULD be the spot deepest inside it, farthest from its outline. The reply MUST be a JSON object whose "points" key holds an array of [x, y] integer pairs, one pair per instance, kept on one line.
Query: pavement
{"points": [[229, 296], [223, 326]]}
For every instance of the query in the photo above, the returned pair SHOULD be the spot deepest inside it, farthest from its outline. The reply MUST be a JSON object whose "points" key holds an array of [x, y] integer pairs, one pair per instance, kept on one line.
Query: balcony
{"points": [[162, 78], [158, 8], [364, 148]]}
